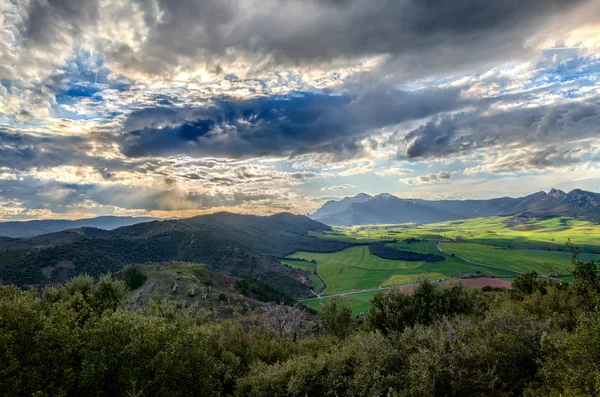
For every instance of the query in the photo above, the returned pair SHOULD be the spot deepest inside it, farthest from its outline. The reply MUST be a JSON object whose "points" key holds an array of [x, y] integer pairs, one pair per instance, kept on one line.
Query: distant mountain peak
{"points": [[557, 194], [583, 198], [387, 196], [337, 206]]}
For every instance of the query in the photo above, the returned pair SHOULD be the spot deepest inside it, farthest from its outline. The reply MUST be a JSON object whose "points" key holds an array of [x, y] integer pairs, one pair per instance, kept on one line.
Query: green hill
{"points": [[226, 243]]}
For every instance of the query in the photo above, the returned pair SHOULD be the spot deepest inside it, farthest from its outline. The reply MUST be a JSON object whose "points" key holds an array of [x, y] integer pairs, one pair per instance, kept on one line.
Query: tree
{"points": [[284, 321], [586, 279], [135, 277], [396, 309], [109, 293], [526, 282], [336, 317]]}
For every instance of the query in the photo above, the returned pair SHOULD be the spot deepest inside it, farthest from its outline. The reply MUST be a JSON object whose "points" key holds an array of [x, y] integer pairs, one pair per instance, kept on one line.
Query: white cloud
{"points": [[441, 176], [337, 187]]}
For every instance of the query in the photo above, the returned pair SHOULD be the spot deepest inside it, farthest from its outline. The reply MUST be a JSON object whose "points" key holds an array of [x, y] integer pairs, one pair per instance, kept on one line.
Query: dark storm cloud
{"points": [[420, 36], [294, 124], [22, 151], [51, 21], [539, 126], [427, 35]]}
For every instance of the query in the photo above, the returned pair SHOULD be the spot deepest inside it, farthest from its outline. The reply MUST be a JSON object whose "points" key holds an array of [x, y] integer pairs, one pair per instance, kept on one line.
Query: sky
{"points": [[176, 108]]}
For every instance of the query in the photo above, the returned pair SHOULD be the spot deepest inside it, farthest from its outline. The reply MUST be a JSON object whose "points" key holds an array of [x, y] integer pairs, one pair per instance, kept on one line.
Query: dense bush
{"points": [[249, 286], [135, 277], [396, 310], [336, 317]]}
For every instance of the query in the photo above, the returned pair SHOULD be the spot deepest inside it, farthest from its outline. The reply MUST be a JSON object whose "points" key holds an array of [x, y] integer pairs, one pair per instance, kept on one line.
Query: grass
{"points": [[355, 268], [401, 279], [549, 233], [358, 302], [495, 241], [523, 260]]}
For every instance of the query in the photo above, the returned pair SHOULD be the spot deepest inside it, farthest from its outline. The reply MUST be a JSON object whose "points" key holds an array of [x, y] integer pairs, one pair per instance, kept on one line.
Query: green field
{"points": [[507, 246], [358, 302], [523, 260], [401, 279], [356, 269], [547, 233]]}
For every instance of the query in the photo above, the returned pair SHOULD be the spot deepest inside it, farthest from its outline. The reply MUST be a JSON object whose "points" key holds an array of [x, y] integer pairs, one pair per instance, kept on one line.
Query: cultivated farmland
{"points": [[500, 247]]}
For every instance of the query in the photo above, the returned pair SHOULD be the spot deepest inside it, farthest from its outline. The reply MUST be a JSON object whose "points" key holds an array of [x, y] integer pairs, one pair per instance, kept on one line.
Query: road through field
{"points": [[439, 247], [380, 288]]}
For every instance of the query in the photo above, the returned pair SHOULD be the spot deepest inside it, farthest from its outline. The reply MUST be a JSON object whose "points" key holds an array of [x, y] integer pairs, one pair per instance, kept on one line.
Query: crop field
{"points": [[497, 246], [358, 302], [401, 279], [505, 231], [355, 268], [523, 260]]}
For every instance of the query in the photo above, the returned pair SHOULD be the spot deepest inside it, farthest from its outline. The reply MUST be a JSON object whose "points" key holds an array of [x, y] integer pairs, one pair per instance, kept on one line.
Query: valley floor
{"points": [[496, 247]]}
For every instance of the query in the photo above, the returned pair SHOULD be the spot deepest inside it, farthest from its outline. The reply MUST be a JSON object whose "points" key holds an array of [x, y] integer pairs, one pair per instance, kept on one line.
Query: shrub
{"points": [[336, 317], [135, 277], [396, 310]]}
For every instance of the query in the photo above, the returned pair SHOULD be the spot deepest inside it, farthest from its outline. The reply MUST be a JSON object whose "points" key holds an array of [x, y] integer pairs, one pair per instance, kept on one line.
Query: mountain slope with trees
{"points": [[226, 243]]}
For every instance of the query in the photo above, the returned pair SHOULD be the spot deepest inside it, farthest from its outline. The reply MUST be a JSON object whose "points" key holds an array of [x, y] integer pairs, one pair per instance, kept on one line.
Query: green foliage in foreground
{"points": [[76, 339]]}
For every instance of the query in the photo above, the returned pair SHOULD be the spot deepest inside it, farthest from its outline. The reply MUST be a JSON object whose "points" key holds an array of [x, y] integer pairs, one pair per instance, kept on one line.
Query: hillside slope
{"points": [[191, 284], [226, 243]]}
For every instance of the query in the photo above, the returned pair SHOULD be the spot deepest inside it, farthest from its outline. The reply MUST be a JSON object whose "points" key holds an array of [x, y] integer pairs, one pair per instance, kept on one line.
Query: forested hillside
{"points": [[226, 243]]}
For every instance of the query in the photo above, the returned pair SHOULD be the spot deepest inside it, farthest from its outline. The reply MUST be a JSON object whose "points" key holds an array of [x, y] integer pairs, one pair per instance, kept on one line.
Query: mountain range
{"points": [[385, 208], [37, 227], [226, 243]]}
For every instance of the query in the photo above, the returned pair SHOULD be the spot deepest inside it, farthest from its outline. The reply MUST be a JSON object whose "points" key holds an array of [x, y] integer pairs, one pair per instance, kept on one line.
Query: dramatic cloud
{"points": [[425, 179], [527, 161], [294, 124], [337, 187], [174, 108], [467, 132], [163, 36]]}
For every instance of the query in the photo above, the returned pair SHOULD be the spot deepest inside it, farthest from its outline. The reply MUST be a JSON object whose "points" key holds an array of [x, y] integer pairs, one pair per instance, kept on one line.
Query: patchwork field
{"points": [[356, 268], [523, 260], [549, 233], [492, 246]]}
